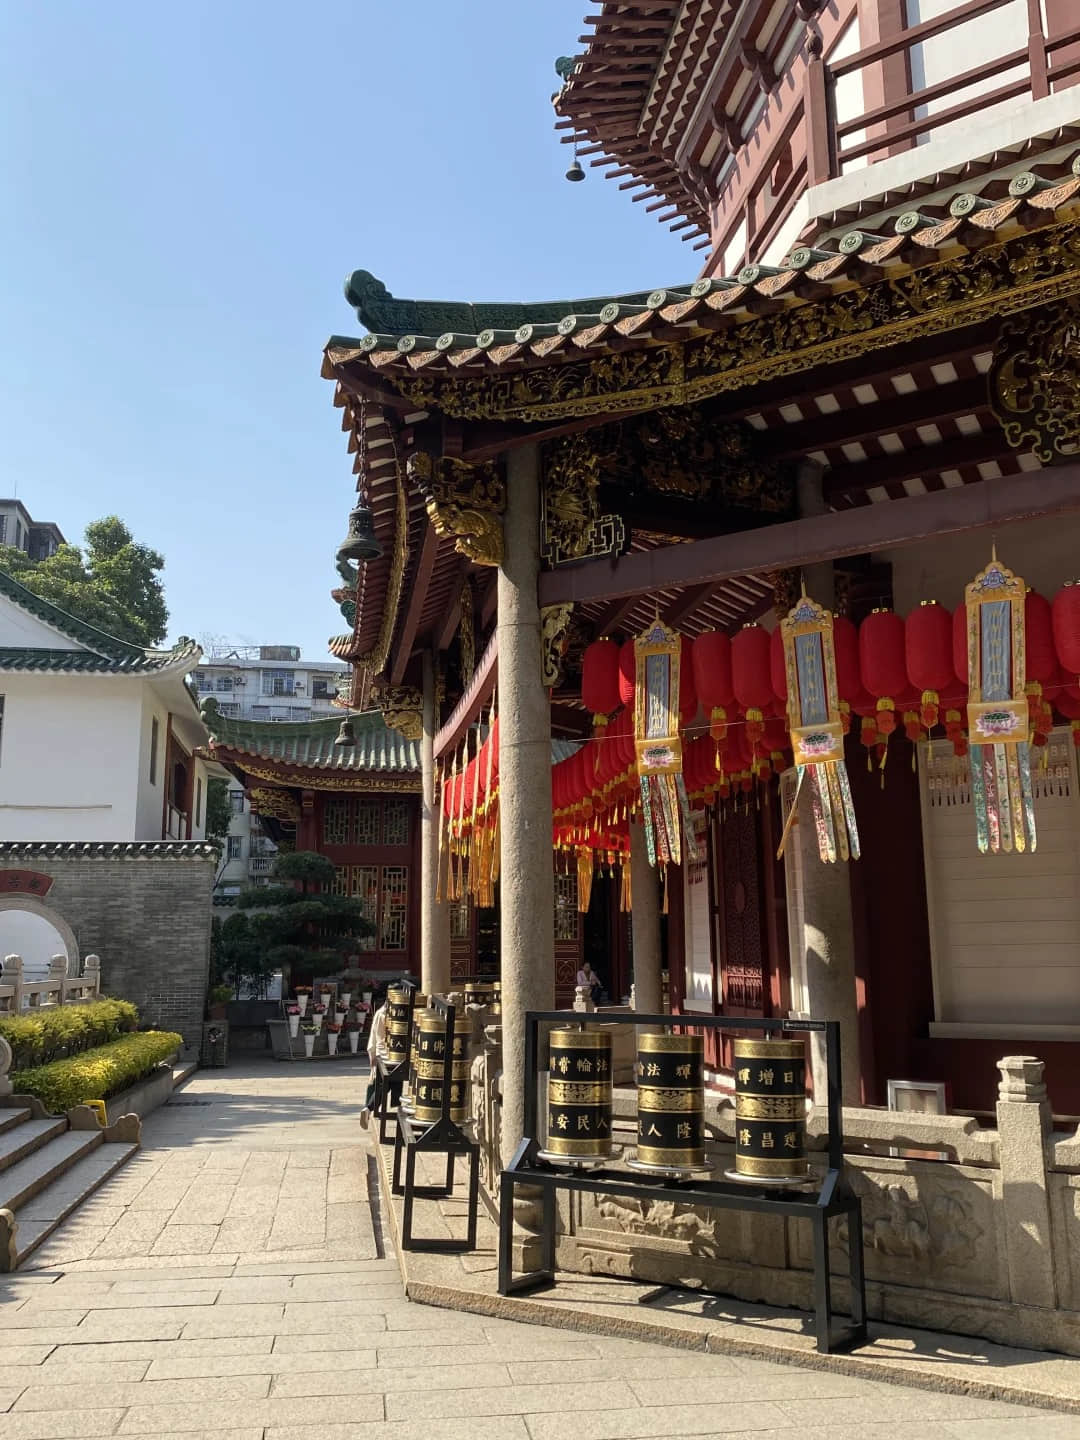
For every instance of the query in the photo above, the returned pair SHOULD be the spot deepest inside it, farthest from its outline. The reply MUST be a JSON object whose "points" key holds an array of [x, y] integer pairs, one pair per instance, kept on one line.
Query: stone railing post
{"points": [[583, 998], [13, 976], [92, 972], [5, 1067], [57, 975], [1023, 1117]]}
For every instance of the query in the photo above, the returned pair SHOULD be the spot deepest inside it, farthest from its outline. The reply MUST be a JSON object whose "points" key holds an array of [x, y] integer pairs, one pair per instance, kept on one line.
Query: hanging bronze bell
{"points": [[575, 172], [360, 544], [346, 735]]}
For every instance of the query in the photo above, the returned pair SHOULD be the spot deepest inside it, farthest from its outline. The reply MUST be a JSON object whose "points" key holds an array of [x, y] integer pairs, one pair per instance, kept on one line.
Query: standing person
{"points": [[375, 1046]]}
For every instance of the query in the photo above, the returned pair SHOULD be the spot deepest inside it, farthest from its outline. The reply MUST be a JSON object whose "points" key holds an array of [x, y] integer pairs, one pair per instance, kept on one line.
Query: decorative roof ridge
{"points": [[112, 849], [222, 726], [40, 659], [110, 647]]}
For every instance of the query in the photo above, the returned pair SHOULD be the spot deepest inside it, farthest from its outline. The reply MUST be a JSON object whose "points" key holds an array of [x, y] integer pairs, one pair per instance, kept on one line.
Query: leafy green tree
{"points": [[218, 812], [296, 924], [111, 582]]}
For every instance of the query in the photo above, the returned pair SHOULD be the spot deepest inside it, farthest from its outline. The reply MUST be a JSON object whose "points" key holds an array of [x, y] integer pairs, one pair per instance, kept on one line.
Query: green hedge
{"points": [[66, 1030], [96, 1074]]}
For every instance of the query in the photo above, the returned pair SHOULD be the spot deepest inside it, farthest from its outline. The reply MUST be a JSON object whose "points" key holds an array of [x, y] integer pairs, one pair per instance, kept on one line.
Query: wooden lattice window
{"points": [[341, 881], [396, 822], [336, 820], [459, 919], [364, 886], [395, 907], [566, 911], [366, 821]]}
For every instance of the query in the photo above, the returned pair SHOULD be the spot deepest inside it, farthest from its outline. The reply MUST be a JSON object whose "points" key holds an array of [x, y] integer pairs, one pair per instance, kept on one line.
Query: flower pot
{"points": [[354, 1040], [366, 996], [301, 1004], [344, 998], [339, 1017], [317, 1020], [326, 999], [309, 1045], [294, 1026], [331, 1041]]}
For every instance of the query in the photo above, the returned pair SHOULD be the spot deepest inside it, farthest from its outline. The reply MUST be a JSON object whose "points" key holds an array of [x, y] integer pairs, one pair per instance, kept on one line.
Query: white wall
{"points": [[20, 630], [67, 770], [987, 37]]}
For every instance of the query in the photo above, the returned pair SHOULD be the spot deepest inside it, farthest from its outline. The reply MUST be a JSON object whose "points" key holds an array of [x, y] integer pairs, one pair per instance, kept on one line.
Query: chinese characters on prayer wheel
{"points": [[579, 1095], [397, 1024], [770, 1111], [419, 1008], [430, 1057], [671, 1102]]}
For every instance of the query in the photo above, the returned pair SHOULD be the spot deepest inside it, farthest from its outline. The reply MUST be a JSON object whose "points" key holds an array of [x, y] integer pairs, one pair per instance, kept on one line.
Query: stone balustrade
{"points": [[19, 995], [967, 1227]]}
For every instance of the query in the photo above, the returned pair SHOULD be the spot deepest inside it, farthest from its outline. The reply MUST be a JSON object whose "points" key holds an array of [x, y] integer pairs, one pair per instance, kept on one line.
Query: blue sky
{"points": [[183, 189]]}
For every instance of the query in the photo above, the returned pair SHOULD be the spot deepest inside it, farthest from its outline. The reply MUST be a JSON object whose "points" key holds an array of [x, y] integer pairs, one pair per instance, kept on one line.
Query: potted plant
{"points": [[317, 1017], [344, 998], [219, 997], [326, 999], [293, 1012], [354, 1032], [340, 1016], [309, 1039], [303, 994], [332, 1033]]}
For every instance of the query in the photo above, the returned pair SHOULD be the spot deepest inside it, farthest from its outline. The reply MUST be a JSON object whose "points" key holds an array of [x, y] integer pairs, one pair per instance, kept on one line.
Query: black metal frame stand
{"points": [[833, 1197], [443, 1137]]}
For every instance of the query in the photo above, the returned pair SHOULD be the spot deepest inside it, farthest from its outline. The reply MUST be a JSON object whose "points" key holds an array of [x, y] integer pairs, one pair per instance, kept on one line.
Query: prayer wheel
{"points": [[770, 1111], [397, 1024], [430, 1055], [479, 992], [496, 997], [579, 1095], [419, 1008], [671, 1102]]}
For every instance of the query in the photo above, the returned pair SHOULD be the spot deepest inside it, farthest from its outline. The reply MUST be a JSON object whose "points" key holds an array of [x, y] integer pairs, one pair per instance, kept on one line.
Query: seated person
{"points": [[588, 977]]}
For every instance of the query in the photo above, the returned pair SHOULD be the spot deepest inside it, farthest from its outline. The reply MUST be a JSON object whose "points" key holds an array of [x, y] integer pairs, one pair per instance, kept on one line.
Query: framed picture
{"points": [[918, 1097]]}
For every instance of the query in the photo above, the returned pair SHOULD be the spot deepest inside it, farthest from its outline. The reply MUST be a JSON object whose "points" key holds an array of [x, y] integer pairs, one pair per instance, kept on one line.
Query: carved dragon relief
{"points": [[466, 502], [1035, 382], [554, 637], [402, 708]]}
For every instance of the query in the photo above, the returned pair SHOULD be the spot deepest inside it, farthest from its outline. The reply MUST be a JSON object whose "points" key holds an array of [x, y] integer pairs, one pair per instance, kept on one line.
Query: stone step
{"points": [[16, 1144], [27, 1178], [37, 1220], [13, 1115]]}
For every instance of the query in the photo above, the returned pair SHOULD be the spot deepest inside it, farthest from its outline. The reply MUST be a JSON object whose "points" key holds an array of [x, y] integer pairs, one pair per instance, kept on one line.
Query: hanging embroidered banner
{"points": [[997, 710], [664, 803], [817, 729]]}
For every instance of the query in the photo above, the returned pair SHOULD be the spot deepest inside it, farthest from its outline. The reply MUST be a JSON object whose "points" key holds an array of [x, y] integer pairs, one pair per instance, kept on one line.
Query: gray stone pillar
{"points": [[527, 887], [648, 991], [827, 949], [810, 499], [434, 917], [1023, 1117]]}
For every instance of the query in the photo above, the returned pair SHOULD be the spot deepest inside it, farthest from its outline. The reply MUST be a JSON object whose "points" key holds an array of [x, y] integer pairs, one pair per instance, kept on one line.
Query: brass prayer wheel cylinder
{"points": [[671, 1101], [398, 1005], [579, 1093], [430, 1055], [770, 1109], [419, 1008], [496, 997], [480, 992]]}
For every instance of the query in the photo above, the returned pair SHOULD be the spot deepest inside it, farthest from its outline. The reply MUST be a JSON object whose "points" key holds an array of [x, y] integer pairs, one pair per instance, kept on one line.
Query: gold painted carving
{"points": [[359, 782], [571, 525], [554, 627], [1031, 269], [466, 502], [278, 804], [1035, 382], [373, 661], [402, 708], [467, 634]]}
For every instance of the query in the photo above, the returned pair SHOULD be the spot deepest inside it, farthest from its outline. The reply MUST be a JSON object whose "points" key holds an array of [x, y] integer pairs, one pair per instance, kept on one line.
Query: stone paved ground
{"points": [[231, 1281]]}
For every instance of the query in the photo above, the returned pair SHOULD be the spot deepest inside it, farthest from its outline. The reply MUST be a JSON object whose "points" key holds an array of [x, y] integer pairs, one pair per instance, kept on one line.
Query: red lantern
{"points": [[1041, 663], [752, 677], [882, 664], [778, 668], [600, 689], [1066, 622], [711, 663], [848, 679], [627, 672], [960, 646], [928, 650]]}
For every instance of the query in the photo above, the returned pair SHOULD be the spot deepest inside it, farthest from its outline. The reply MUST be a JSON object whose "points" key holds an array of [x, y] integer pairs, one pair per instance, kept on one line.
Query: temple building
{"points": [[867, 397]]}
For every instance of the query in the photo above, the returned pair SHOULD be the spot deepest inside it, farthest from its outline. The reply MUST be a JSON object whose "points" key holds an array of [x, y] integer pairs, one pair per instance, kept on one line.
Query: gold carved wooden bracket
{"points": [[277, 804], [1035, 381], [402, 708], [571, 524], [466, 502], [554, 636]]}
